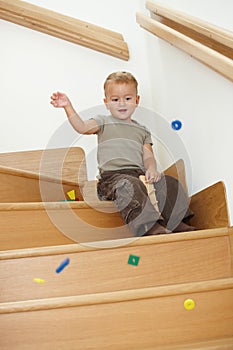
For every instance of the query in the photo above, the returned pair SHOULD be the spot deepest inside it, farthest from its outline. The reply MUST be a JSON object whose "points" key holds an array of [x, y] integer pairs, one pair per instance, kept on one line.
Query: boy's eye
{"points": [[116, 99]]}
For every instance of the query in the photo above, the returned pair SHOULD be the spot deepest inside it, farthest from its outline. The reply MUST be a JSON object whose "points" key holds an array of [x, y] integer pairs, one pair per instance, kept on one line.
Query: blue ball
{"points": [[176, 124]]}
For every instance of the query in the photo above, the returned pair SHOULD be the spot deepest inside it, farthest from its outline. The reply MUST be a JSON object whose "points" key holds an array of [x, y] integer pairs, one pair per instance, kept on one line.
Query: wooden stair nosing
{"points": [[117, 296], [125, 242]]}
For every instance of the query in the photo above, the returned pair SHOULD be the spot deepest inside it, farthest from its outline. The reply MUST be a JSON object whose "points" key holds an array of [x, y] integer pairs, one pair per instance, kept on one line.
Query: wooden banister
{"points": [[64, 27], [206, 33], [204, 54]]}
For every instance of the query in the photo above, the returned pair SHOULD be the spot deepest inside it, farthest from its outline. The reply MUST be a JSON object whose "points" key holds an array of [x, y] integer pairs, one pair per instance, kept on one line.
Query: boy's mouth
{"points": [[122, 110]]}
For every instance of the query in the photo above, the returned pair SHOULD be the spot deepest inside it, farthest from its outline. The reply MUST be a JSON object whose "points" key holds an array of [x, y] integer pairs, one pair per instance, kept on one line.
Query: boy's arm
{"points": [[60, 100], [152, 175]]}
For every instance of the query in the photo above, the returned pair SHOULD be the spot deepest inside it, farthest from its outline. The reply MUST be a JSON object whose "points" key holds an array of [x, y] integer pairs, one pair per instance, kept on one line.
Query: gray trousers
{"points": [[131, 199]]}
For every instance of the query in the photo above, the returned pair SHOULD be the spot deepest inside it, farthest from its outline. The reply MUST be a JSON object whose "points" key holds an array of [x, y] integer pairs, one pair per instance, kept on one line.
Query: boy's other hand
{"points": [[58, 99], [152, 176]]}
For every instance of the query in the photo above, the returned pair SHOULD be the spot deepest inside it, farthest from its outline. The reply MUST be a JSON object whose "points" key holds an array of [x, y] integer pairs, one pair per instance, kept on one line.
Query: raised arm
{"points": [[152, 174], [60, 100]]}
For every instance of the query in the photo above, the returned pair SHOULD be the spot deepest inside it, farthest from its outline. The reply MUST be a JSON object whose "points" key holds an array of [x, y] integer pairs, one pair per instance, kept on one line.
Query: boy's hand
{"points": [[58, 99], [152, 176]]}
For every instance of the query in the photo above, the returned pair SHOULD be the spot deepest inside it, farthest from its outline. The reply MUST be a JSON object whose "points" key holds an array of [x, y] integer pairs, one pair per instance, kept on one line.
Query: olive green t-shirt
{"points": [[120, 143]]}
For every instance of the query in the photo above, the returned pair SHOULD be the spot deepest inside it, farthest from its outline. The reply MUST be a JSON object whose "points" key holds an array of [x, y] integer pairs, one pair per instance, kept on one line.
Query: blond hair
{"points": [[121, 77]]}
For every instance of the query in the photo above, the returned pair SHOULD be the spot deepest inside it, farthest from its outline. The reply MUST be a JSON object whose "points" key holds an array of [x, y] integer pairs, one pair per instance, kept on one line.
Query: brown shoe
{"points": [[157, 229], [182, 227]]}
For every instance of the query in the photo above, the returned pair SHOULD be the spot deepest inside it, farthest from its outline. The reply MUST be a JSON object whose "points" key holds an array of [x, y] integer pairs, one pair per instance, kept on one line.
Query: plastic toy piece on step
{"points": [[71, 195], [63, 265], [189, 304], [176, 124], [39, 280], [133, 260]]}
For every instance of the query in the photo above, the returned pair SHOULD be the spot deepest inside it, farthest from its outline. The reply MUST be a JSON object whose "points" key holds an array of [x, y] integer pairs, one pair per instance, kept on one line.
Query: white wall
{"points": [[33, 65], [185, 89]]}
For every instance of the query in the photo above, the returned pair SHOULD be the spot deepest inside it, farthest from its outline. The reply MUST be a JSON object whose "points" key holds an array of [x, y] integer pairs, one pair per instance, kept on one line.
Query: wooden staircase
{"points": [[178, 295]]}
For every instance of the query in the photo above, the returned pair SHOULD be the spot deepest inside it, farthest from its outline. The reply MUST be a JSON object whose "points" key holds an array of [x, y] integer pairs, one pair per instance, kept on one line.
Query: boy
{"points": [[124, 153]]}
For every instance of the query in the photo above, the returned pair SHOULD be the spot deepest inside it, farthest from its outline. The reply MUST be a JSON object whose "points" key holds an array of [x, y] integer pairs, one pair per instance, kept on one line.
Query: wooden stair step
{"points": [[164, 260], [146, 318], [25, 225], [42, 175], [68, 162]]}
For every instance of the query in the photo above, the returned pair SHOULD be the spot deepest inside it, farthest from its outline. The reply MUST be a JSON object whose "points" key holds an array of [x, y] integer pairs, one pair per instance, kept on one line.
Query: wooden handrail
{"points": [[64, 27], [204, 54], [217, 38]]}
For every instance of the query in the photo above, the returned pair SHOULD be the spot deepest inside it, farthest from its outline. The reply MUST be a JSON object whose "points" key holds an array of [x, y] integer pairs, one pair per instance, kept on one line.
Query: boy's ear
{"points": [[137, 100], [106, 102]]}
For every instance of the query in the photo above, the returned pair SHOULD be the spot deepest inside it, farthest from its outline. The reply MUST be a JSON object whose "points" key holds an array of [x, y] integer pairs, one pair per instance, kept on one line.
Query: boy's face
{"points": [[121, 99]]}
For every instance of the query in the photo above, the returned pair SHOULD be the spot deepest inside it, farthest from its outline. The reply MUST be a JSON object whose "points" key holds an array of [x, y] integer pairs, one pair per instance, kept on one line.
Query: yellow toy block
{"points": [[71, 195]]}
